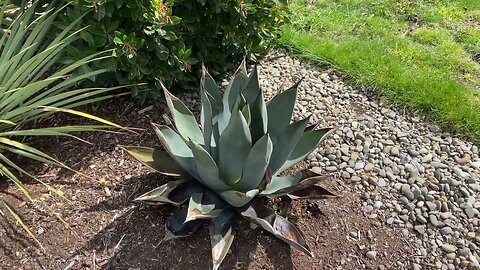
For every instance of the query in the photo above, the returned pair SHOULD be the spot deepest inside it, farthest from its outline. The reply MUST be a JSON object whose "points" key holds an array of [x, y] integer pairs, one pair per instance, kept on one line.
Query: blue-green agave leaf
{"points": [[256, 164], [252, 89], [206, 117], [286, 143], [246, 114], [207, 168], [259, 123], [173, 192], [280, 110], [237, 198], [307, 143], [230, 97], [208, 85], [183, 118], [235, 144], [221, 235], [177, 148], [204, 205], [306, 179], [155, 159], [281, 182]]}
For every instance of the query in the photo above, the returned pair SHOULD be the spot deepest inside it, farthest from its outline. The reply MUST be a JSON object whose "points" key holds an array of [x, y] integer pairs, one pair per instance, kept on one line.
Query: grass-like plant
{"points": [[33, 85]]}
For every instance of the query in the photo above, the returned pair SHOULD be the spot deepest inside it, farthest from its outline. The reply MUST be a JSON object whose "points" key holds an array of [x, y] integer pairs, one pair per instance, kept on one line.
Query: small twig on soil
{"points": [[120, 241], [94, 261]]}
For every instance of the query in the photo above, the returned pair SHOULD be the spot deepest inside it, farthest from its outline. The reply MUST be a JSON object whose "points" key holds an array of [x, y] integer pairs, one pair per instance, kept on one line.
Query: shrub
{"points": [[166, 40]]}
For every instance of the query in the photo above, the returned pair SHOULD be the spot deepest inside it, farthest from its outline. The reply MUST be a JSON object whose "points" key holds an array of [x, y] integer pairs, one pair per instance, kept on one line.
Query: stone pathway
{"points": [[409, 173]]}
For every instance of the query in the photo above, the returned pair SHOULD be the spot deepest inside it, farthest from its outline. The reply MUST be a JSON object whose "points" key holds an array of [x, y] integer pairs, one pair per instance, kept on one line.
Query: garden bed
{"points": [[101, 228]]}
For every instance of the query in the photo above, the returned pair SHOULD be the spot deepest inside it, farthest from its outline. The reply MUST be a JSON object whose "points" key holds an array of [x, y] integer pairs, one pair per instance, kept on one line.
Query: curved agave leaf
{"points": [[312, 192], [256, 164], [204, 205], [157, 160], [183, 118], [237, 198], [208, 85], [206, 117], [252, 89], [281, 182], [207, 168], [221, 235], [177, 148], [235, 144], [231, 95], [275, 224], [259, 123], [176, 227], [285, 144], [307, 143], [247, 114], [280, 110], [174, 192], [304, 183]]}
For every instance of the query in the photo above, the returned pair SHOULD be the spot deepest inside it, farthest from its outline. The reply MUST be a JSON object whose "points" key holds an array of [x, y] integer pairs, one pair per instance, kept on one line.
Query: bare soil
{"points": [[101, 228]]}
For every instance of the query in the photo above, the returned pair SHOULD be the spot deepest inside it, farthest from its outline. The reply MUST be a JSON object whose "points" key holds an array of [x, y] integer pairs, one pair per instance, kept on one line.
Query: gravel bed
{"points": [[409, 173]]}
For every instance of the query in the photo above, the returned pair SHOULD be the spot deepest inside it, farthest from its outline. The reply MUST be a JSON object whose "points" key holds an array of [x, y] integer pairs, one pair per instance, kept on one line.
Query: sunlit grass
{"points": [[420, 54]]}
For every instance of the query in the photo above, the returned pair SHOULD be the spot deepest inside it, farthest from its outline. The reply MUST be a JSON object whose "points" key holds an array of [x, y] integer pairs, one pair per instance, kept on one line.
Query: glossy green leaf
{"points": [[235, 144], [286, 143], [183, 118], [256, 164], [157, 160]]}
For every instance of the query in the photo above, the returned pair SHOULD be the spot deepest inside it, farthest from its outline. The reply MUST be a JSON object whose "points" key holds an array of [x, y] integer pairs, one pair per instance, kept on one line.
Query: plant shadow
{"points": [[133, 240]]}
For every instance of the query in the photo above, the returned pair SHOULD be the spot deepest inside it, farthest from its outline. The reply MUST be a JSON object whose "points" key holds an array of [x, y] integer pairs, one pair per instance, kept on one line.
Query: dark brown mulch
{"points": [[100, 228]]}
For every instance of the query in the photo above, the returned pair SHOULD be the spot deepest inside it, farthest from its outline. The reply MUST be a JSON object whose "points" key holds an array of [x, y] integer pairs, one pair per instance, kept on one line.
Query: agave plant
{"points": [[33, 85], [229, 164]]}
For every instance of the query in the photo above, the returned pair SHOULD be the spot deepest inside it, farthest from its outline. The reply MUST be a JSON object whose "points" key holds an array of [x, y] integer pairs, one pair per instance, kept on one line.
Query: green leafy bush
{"points": [[166, 40]]}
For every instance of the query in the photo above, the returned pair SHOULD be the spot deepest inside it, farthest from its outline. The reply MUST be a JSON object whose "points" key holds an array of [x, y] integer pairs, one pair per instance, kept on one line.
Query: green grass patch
{"points": [[420, 54]]}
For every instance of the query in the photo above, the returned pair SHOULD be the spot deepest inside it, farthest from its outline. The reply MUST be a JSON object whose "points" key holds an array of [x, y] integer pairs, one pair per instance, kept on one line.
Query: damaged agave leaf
{"points": [[176, 227], [277, 225], [173, 192], [221, 235], [204, 205]]}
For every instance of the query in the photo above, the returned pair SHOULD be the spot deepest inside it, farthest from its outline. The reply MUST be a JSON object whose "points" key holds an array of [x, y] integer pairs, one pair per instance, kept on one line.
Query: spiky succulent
{"points": [[233, 161]]}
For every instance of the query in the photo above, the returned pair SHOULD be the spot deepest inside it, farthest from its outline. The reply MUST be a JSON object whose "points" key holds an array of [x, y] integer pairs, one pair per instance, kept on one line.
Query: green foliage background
{"points": [[168, 40]]}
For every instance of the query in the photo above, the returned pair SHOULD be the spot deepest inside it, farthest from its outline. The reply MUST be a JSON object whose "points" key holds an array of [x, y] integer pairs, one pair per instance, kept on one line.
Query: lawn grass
{"points": [[419, 54]]}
